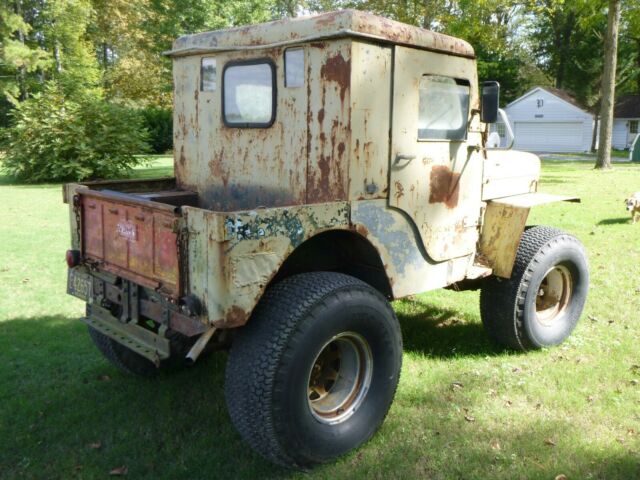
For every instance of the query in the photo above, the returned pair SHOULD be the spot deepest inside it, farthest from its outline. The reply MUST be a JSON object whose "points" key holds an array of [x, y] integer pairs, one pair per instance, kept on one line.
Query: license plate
{"points": [[79, 284]]}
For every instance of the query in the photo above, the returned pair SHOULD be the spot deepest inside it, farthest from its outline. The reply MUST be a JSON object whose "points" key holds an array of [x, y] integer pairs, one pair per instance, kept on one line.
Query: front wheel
{"points": [[313, 374], [541, 303]]}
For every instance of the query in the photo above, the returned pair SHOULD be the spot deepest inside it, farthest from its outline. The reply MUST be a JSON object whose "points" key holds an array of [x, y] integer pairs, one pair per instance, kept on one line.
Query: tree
{"points": [[608, 86], [20, 56], [54, 138]]}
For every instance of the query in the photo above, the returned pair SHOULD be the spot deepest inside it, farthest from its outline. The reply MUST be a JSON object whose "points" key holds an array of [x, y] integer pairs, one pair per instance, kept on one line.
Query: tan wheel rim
{"points": [[340, 378], [554, 295]]}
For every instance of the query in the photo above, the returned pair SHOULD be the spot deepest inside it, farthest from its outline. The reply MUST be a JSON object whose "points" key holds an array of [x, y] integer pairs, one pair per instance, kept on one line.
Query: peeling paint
{"points": [[337, 69], [444, 187]]}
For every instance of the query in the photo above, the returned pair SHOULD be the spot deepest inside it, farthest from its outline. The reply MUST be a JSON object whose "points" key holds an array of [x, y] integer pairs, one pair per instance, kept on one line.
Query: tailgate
{"points": [[131, 237]]}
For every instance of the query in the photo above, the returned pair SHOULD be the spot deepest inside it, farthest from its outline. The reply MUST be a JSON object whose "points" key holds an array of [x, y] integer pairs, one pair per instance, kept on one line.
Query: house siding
{"points": [[622, 139], [549, 124], [619, 140]]}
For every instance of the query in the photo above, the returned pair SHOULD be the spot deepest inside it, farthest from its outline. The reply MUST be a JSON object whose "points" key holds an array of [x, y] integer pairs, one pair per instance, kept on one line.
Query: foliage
{"points": [[567, 39], [55, 138], [159, 123]]}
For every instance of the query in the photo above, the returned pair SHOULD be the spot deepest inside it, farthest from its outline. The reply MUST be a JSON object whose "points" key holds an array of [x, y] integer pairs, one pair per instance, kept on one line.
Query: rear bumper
{"points": [[145, 342], [133, 315]]}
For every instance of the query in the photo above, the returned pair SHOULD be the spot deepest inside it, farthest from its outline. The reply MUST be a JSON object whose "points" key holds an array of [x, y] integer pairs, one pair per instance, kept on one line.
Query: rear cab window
{"points": [[249, 93], [208, 79], [294, 67], [443, 112]]}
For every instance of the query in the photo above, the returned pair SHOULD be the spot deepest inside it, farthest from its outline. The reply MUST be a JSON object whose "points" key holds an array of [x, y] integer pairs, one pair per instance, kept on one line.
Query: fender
{"points": [[504, 222]]}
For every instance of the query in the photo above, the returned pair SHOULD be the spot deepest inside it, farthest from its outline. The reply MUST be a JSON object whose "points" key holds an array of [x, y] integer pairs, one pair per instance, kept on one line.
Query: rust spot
{"points": [[445, 186], [399, 191], [337, 69], [341, 148], [236, 317], [320, 45], [217, 169], [321, 115], [182, 157], [362, 230], [327, 19]]}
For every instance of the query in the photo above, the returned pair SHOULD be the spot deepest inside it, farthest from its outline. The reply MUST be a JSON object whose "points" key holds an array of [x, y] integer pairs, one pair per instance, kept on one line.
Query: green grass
{"points": [[572, 410]]}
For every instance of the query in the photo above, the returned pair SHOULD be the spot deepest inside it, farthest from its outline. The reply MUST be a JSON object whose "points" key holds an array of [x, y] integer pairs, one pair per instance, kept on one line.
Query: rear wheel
{"points": [[313, 374], [541, 303]]}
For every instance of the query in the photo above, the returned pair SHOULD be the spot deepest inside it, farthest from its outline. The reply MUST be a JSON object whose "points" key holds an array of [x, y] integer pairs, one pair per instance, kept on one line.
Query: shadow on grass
{"points": [[440, 333], [66, 412], [553, 180], [59, 396], [615, 221]]}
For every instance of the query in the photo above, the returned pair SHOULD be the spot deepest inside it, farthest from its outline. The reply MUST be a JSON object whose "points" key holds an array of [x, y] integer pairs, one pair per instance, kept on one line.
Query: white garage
{"points": [[548, 120]]}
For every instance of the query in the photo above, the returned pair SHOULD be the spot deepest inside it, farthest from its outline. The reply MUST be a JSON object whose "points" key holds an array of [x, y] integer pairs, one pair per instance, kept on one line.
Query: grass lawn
{"points": [[616, 156], [464, 409]]}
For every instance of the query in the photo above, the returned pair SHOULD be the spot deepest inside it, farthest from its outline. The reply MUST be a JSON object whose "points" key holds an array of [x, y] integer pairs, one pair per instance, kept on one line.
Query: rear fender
{"points": [[233, 256]]}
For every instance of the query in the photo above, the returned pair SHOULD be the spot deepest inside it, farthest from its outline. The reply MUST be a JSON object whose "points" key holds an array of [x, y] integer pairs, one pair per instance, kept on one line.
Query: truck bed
{"points": [[134, 234]]}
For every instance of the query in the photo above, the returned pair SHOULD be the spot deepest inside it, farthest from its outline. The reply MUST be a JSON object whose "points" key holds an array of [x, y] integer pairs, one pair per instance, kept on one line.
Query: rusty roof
{"points": [[342, 23]]}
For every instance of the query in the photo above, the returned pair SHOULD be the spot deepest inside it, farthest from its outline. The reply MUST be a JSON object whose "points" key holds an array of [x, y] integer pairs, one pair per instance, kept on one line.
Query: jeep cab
{"points": [[324, 166]]}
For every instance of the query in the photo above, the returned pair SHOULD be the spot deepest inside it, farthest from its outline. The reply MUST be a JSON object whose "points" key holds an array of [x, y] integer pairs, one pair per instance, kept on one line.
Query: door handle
{"points": [[403, 156]]}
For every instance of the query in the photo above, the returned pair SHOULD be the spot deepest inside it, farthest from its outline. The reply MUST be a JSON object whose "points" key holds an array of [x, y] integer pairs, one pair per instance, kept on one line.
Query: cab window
{"points": [[443, 108], [208, 74], [294, 67], [249, 94]]}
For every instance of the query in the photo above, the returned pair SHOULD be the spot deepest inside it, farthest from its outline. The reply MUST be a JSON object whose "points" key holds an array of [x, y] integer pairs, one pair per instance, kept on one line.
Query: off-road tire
{"points": [[269, 368], [508, 306]]}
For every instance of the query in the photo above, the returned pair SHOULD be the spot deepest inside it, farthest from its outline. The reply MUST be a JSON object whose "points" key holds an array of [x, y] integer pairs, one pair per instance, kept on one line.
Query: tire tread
{"points": [[502, 300], [260, 347]]}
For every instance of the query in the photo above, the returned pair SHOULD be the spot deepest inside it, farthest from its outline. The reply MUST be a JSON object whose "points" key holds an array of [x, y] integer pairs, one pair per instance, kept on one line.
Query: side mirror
{"points": [[490, 102]]}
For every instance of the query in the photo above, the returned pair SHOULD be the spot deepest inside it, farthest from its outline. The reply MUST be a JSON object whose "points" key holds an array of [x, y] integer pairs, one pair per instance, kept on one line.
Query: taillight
{"points": [[73, 258]]}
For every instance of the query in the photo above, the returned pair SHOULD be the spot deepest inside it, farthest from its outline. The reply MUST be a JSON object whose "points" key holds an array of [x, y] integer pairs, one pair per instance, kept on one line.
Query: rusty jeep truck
{"points": [[324, 166]]}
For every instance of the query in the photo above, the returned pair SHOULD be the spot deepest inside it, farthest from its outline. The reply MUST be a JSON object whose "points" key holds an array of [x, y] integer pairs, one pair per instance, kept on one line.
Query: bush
{"points": [[54, 138], [159, 123]]}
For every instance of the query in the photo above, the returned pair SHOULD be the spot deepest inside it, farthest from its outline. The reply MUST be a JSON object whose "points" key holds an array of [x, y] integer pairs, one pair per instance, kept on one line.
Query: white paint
{"points": [[622, 137], [543, 122], [549, 136]]}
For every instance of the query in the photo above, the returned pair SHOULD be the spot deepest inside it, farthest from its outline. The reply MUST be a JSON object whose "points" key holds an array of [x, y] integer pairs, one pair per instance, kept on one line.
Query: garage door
{"points": [[549, 137]]}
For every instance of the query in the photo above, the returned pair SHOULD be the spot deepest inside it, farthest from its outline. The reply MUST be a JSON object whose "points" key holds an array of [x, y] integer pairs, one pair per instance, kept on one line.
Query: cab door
{"points": [[435, 164]]}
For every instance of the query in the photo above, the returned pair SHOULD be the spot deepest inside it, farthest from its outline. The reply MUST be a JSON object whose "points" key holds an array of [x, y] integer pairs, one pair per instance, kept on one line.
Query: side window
{"points": [[633, 126], [249, 94], [208, 74], [294, 67], [443, 108]]}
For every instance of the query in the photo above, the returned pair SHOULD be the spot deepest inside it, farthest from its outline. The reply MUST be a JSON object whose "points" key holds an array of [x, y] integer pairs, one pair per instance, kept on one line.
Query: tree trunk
{"points": [[594, 135], [22, 70], [638, 61], [565, 47], [428, 16], [608, 86], [56, 56]]}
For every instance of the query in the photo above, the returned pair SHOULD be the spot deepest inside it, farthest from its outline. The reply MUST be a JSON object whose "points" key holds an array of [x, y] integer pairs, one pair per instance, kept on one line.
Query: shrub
{"points": [[159, 124], [54, 138]]}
